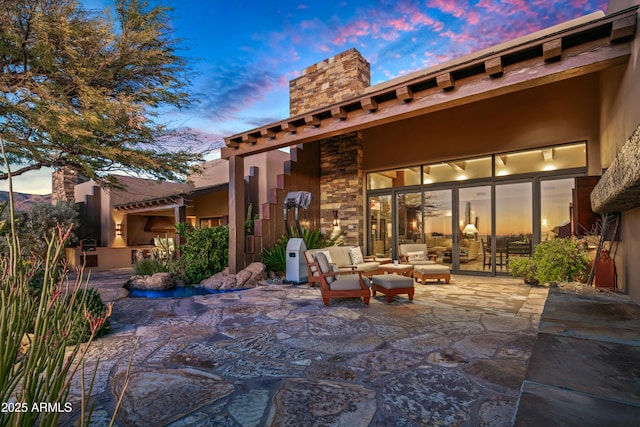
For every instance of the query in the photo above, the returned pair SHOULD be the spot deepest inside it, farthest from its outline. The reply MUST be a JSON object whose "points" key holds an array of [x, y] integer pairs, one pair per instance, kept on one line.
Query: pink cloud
{"points": [[352, 31], [447, 6]]}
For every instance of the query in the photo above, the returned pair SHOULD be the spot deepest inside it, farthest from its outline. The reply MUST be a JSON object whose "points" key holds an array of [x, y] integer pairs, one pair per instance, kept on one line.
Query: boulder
{"points": [[244, 279], [155, 282]]}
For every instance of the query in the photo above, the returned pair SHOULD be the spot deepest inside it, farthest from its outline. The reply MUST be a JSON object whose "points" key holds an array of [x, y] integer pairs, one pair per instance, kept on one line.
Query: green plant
{"points": [[249, 222], [523, 267], [275, 258], [555, 260], [148, 266], [205, 252], [38, 360], [87, 301]]}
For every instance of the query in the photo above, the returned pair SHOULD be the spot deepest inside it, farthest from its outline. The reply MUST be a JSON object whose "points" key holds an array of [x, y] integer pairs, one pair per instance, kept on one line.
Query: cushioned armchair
{"points": [[336, 284], [415, 254]]}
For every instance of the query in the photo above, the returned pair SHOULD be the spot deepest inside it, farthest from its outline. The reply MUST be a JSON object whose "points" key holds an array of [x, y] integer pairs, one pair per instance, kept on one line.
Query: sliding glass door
{"points": [[514, 221], [474, 227], [380, 226], [471, 228]]}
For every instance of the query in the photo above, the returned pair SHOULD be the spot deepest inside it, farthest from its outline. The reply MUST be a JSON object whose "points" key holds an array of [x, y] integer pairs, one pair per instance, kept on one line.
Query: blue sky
{"points": [[245, 53]]}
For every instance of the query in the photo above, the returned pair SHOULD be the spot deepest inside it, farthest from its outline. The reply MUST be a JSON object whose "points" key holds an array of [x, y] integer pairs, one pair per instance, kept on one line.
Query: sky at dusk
{"points": [[245, 53]]}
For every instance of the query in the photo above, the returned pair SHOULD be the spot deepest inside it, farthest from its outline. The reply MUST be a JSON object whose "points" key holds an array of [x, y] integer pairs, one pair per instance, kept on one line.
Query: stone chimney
{"points": [[336, 79], [63, 183]]}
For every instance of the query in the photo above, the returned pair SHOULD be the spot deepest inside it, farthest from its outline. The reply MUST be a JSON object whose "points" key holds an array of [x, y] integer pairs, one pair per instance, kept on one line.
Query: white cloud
{"points": [[33, 182]]}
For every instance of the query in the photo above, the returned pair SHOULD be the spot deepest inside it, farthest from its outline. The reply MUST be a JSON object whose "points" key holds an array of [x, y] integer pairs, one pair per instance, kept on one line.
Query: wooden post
{"points": [[180, 215], [236, 214]]}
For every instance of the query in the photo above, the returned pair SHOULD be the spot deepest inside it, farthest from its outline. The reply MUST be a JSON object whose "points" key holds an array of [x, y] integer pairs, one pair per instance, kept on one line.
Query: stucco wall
{"points": [[211, 205], [558, 113], [620, 115]]}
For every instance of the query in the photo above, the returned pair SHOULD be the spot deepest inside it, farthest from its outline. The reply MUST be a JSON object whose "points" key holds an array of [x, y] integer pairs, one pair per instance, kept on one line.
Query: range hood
{"points": [[160, 224]]}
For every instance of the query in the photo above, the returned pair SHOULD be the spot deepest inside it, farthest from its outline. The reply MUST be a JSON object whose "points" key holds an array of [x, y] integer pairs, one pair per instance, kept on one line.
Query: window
{"points": [[393, 178], [541, 160], [458, 170]]}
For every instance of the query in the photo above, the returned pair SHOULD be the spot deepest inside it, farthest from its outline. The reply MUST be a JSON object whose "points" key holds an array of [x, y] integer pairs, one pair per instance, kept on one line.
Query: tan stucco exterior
{"points": [[558, 113], [209, 199], [619, 117]]}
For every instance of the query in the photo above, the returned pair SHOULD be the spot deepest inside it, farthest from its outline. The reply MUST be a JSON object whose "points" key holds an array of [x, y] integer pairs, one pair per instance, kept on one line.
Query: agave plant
{"points": [[275, 258]]}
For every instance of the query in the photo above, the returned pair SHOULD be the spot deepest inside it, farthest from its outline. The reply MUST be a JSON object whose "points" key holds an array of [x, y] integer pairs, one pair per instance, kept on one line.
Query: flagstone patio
{"points": [[275, 355]]}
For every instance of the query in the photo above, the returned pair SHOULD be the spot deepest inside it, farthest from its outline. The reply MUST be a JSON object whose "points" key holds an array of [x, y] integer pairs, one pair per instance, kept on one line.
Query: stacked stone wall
{"points": [[63, 182], [341, 181], [333, 80]]}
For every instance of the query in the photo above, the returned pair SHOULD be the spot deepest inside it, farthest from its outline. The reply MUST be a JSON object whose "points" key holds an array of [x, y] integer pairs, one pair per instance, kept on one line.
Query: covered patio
{"points": [[451, 132]]}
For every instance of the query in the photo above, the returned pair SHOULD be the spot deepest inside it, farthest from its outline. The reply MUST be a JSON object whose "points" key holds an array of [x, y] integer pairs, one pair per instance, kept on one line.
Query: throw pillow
{"points": [[416, 256], [324, 266], [356, 255]]}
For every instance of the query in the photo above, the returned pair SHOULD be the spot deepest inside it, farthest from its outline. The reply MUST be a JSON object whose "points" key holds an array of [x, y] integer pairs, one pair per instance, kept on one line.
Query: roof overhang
{"points": [[168, 202], [583, 48]]}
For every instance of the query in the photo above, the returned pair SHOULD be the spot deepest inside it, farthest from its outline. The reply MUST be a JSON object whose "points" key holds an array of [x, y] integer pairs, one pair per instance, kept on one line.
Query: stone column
{"points": [[341, 186]]}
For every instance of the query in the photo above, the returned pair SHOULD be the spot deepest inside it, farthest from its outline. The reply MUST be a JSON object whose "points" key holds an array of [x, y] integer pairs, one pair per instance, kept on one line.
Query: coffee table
{"points": [[399, 269]]}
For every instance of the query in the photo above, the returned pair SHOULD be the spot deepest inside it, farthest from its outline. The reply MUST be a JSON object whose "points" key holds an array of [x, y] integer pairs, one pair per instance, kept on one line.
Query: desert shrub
{"points": [[36, 327], [149, 266], [275, 258], [555, 260], [89, 303], [205, 252], [40, 220]]}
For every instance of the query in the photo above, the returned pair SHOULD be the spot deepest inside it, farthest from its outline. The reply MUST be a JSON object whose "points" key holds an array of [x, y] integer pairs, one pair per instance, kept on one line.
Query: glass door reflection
{"points": [[474, 228], [380, 226], [409, 217], [437, 213], [514, 220]]}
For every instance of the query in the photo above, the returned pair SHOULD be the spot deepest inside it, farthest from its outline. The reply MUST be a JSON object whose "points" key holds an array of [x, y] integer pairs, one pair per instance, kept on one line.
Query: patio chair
{"points": [[486, 251], [335, 284], [415, 254]]}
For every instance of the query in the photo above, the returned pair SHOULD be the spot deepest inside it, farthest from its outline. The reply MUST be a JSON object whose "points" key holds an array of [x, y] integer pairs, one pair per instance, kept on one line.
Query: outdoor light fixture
{"points": [[336, 221], [118, 229]]}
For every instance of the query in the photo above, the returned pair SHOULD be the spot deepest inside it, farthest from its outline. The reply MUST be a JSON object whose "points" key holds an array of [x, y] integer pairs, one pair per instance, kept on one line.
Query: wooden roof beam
{"points": [[267, 133], [231, 142], [249, 139], [369, 104], [445, 81], [404, 93], [552, 51], [338, 113], [289, 127], [311, 120], [623, 29], [493, 67]]}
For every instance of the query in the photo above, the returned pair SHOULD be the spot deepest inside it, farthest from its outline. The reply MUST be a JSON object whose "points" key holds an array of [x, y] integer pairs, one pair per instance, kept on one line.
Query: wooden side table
{"points": [[399, 269]]}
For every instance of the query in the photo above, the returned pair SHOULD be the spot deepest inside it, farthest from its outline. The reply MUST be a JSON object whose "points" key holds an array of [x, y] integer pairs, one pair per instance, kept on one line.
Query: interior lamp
{"points": [[470, 231]]}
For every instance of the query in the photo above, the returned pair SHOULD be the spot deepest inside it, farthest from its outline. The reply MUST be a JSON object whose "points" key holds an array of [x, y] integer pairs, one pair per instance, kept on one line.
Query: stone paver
{"points": [[275, 355], [585, 364]]}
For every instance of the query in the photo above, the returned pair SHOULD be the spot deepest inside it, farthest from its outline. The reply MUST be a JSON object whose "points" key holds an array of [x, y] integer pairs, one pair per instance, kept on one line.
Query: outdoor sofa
{"points": [[345, 258]]}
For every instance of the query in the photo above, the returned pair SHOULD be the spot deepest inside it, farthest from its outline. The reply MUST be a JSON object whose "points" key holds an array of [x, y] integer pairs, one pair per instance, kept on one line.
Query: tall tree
{"points": [[85, 90]]}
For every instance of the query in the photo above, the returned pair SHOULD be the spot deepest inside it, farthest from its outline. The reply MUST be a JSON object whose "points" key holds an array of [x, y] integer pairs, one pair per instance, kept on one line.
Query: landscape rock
{"points": [[151, 399], [155, 282], [250, 277]]}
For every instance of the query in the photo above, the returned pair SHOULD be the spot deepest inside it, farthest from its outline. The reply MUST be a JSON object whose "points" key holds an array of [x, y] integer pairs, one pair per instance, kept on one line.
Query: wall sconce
{"points": [[118, 229], [336, 221]]}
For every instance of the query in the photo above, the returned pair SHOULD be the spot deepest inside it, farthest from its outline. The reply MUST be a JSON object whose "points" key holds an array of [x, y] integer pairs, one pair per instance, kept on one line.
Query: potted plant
{"points": [[555, 260]]}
